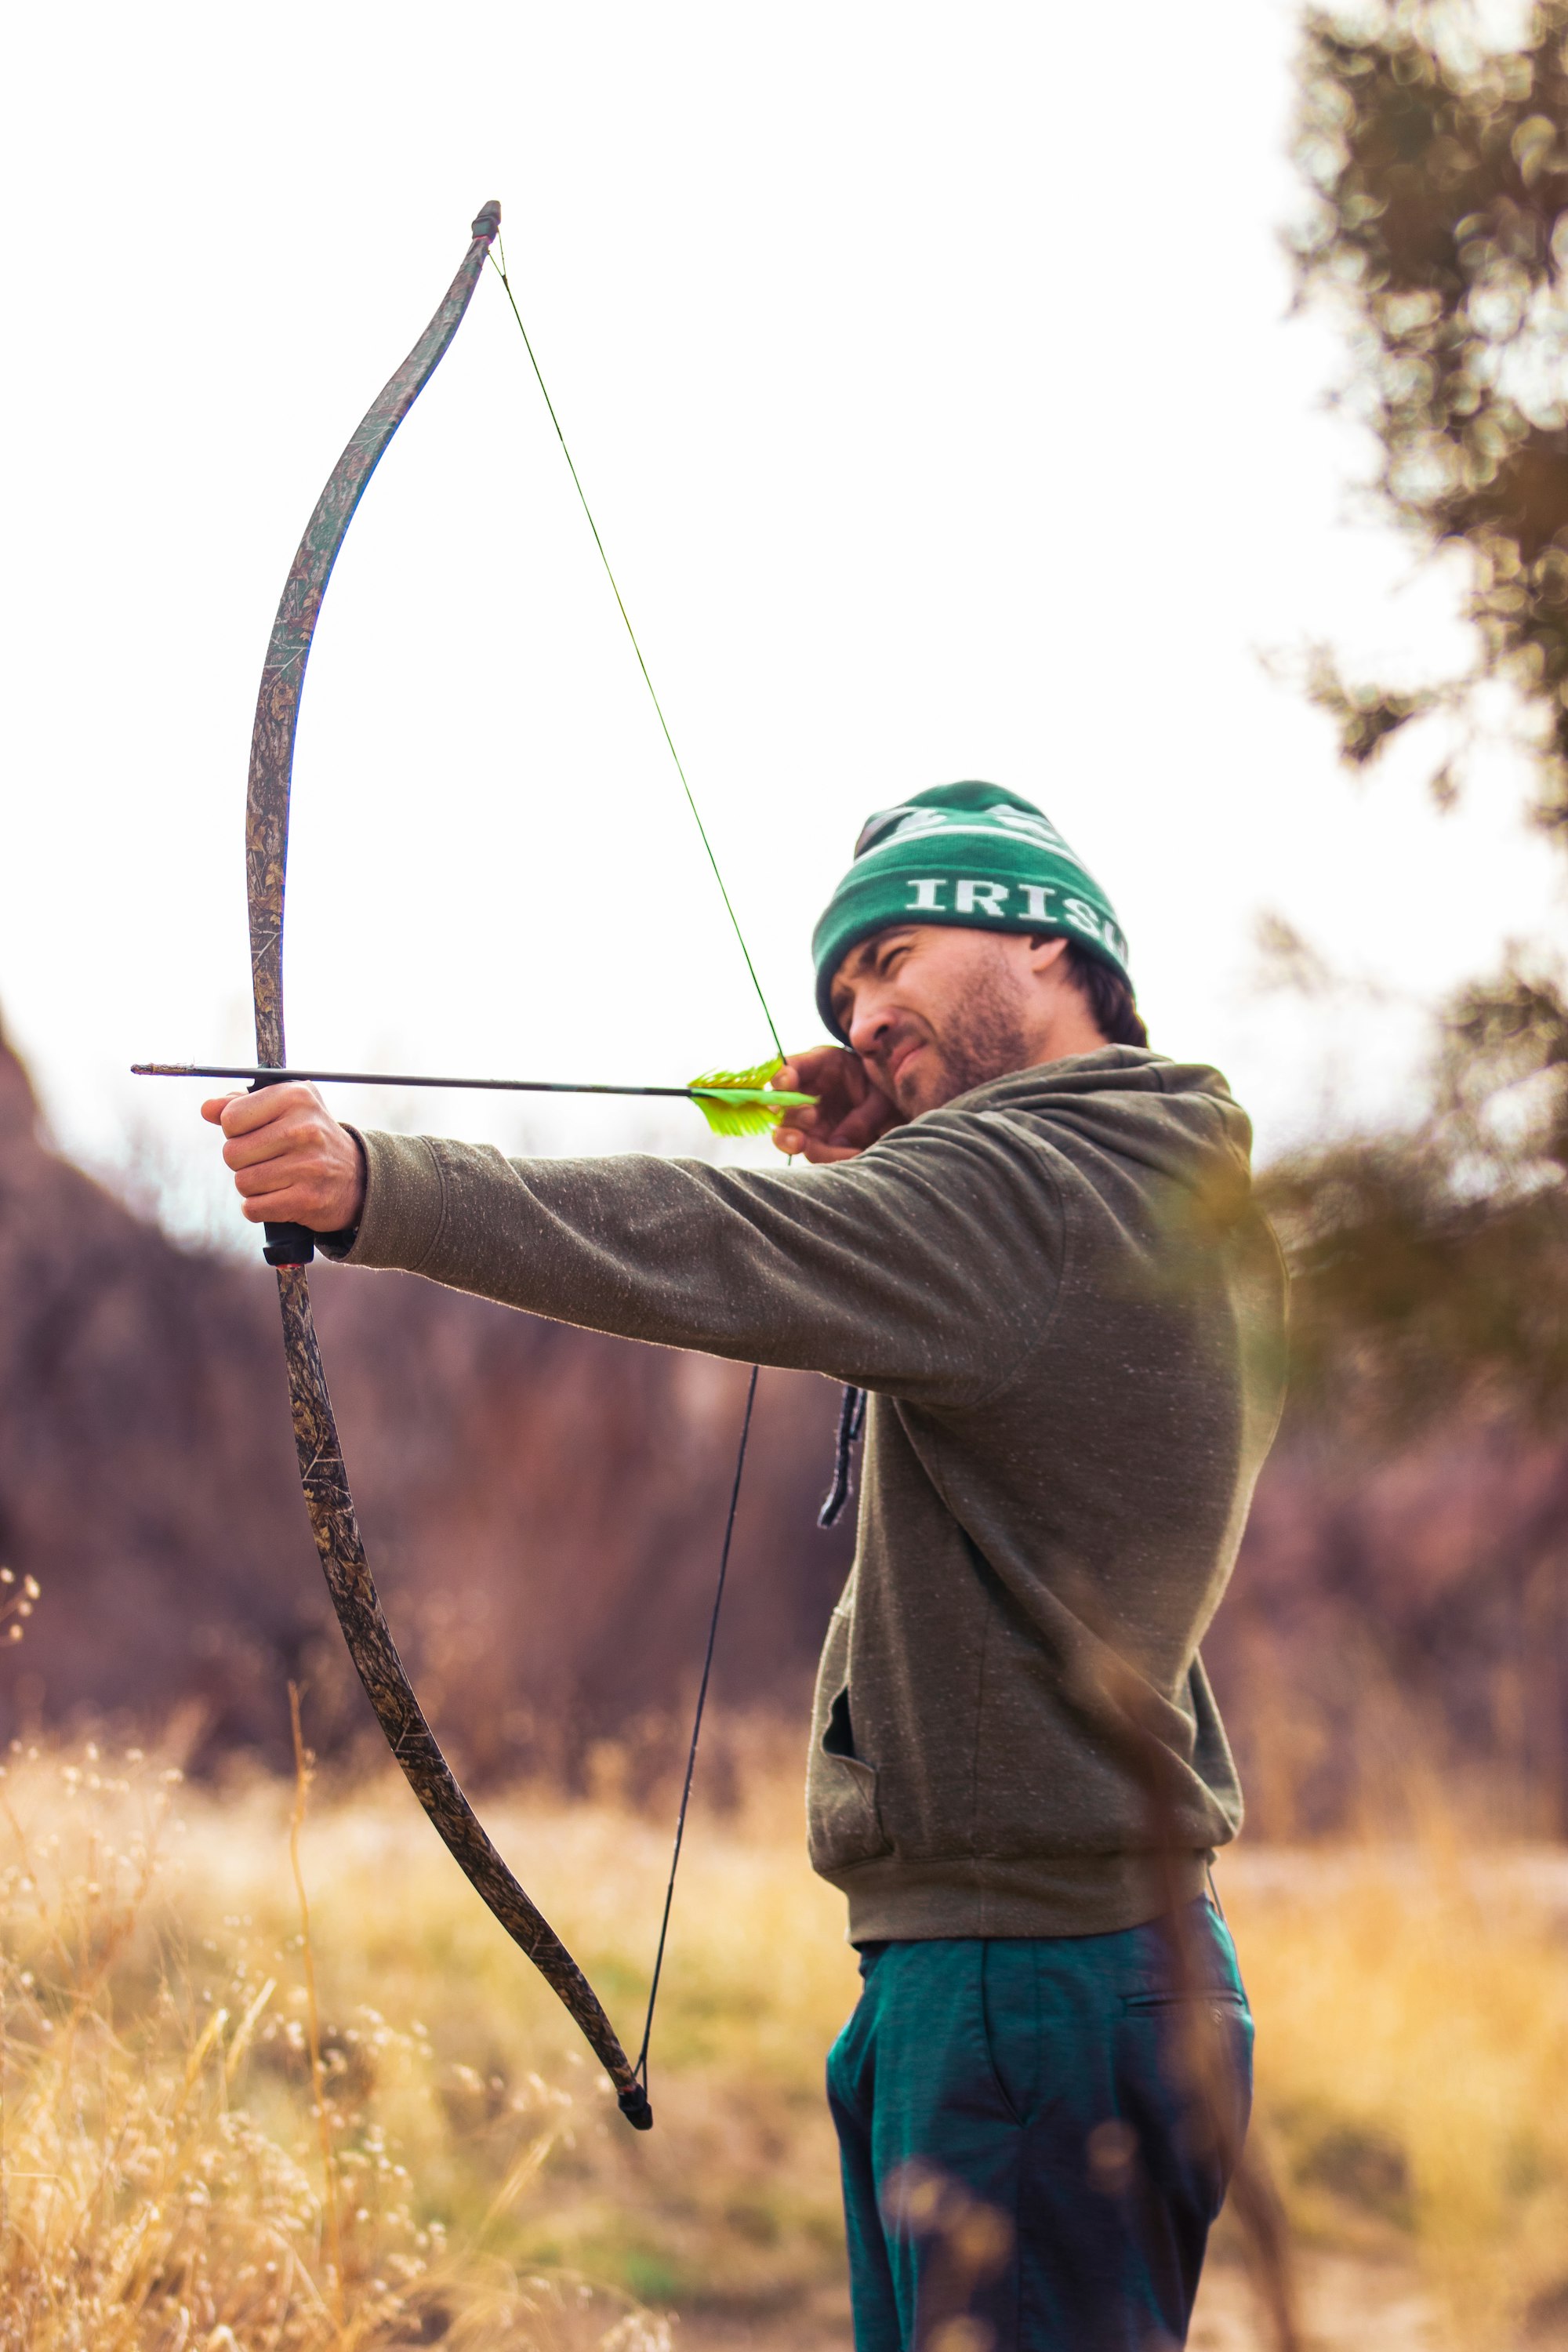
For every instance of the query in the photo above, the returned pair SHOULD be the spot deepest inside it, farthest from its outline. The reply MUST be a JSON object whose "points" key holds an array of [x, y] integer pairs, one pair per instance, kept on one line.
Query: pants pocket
{"points": [[1190, 2055], [1010, 2018]]}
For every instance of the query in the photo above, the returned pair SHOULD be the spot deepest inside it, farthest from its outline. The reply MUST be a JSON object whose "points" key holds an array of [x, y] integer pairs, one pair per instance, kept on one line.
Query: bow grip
{"points": [[285, 1244]]}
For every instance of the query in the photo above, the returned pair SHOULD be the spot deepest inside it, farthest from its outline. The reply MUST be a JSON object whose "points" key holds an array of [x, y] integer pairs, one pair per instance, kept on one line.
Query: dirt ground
{"points": [[1347, 2306]]}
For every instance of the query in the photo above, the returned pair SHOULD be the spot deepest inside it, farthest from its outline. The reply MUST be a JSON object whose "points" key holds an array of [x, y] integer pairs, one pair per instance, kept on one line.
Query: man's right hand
{"points": [[850, 1111]]}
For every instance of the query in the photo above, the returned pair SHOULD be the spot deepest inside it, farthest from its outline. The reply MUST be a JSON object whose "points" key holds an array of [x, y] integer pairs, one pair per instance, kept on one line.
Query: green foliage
{"points": [[1439, 167], [1431, 1268], [741, 1102], [1365, 716]]}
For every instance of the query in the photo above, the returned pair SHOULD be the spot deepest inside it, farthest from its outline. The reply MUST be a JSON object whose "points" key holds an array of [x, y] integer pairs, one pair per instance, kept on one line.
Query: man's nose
{"points": [[869, 1026]]}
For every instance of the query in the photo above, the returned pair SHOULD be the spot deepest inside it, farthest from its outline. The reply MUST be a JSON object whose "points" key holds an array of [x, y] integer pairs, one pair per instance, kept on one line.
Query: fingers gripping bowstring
{"points": [[498, 266], [497, 263]]}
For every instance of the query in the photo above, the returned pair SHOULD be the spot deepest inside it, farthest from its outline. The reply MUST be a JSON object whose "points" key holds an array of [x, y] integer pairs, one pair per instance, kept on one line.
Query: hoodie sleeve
{"points": [[926, 1268]]}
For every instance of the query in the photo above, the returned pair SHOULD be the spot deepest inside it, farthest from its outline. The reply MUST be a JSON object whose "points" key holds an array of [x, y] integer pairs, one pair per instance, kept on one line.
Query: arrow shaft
{"points": [[481, 1085]]}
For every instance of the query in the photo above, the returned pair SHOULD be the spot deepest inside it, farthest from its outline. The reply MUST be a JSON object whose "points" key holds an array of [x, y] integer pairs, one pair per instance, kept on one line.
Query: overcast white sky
{"points": [[930, 373]]}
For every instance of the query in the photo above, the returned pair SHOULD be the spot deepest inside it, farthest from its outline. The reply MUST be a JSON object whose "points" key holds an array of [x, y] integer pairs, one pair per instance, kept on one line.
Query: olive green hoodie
{"points": [[1070, 1317]]}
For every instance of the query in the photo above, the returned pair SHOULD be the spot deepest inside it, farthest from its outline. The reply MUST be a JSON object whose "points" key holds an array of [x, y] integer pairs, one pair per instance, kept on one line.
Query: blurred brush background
{"points": [[543, 1507]]}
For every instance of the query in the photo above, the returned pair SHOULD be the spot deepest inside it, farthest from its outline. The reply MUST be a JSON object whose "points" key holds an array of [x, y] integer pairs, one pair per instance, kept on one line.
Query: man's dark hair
{"points": [[1109, 997]]}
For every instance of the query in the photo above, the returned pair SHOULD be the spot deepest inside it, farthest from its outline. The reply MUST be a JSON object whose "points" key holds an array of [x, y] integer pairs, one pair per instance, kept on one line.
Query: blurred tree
{"points": [[1436, 155], [1406, 1565], [1438, 166]]}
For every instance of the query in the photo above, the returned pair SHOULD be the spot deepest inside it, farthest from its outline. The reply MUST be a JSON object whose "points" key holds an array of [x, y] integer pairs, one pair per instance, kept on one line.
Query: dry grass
{"points": [[168, 2182], [163, 2166], [1412, 2005]]}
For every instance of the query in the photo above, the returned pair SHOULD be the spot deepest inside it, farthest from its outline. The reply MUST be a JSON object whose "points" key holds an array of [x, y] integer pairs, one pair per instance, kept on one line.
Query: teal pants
{"points": [[1036, 2137]]}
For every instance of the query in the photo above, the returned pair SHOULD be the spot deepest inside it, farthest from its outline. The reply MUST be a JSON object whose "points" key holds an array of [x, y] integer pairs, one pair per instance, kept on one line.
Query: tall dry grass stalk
{"points": [[303, 1772], [1196, 2054]]}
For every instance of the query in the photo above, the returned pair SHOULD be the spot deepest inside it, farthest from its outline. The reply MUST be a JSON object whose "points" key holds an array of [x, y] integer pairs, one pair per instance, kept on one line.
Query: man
{"points": [[1032, 1240]]}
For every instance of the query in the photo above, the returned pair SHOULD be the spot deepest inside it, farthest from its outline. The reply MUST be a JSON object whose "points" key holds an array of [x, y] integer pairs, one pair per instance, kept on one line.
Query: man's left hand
{"points": [[293, 1165]]}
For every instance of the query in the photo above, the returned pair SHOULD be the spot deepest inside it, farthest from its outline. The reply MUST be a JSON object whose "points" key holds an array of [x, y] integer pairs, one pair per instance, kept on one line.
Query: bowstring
{"points": [[640, 2068], [498, 262], [498, 266]]}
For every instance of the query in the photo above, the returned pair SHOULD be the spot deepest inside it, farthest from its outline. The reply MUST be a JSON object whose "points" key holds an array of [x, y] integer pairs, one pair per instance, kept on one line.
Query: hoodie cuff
{"points": [[404, 1201]]}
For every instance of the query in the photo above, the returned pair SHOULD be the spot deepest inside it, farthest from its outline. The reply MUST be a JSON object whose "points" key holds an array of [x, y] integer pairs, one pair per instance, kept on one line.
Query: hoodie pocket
{"points": [[845, 1824]]}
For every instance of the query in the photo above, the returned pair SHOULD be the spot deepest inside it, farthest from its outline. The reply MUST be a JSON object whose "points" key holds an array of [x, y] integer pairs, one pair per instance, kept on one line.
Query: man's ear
{"points": [[1046, 952]]}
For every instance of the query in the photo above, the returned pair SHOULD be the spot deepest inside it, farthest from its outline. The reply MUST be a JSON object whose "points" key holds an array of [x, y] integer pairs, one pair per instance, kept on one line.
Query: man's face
{"points": [[935, 1008]]}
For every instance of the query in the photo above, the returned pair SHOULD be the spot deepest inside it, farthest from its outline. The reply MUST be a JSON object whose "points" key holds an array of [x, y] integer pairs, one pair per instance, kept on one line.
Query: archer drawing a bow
{"points": [[733, 1102]]}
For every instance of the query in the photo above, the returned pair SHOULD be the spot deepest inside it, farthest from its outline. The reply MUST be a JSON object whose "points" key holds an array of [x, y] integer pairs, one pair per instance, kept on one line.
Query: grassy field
{"points": [[170, 2179]]}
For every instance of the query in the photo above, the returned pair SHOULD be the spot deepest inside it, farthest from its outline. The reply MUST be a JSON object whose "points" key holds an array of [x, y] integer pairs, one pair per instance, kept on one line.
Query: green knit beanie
{"points": [[973, 855]]}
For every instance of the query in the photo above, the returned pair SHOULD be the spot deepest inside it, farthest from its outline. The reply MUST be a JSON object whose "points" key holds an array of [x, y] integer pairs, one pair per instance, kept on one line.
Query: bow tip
{"points": [[487, 220], [634, 2105]]}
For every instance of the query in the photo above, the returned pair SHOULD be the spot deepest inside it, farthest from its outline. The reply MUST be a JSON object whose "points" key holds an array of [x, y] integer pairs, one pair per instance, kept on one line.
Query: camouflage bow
{"points": [[289, 1248]]}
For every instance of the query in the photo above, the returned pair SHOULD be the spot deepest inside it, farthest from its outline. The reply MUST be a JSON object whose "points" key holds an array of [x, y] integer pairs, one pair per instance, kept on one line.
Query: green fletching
{"points": [[741, 1102], [739, 1082], [741, 1110]]}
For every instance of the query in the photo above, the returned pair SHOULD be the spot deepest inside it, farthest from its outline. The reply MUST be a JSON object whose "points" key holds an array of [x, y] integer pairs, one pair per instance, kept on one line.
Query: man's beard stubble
{"points": [[984, 1039]]}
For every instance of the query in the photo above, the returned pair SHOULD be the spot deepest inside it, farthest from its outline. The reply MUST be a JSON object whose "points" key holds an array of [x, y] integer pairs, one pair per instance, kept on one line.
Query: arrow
{"points": [[742, 1100]]}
